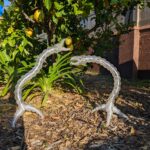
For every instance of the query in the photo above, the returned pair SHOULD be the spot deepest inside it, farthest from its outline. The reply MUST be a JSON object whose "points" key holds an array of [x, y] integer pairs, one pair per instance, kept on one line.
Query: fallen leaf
{"points": [[132, 131]]}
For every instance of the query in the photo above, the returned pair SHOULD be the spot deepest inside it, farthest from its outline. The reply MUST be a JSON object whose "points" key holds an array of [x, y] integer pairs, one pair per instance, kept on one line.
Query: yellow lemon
{"points": [[68, 41], [29, 32], [16, 9], [38, 15]]}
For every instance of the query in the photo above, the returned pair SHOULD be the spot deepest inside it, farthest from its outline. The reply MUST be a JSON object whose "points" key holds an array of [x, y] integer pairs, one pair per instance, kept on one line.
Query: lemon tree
{"points": [[59, 19], [24, 23]]}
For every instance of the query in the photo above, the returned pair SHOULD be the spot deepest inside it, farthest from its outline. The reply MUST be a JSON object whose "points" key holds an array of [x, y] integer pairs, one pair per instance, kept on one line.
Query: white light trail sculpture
{"points": [[76, 60], [22, 107], [109, 106]]}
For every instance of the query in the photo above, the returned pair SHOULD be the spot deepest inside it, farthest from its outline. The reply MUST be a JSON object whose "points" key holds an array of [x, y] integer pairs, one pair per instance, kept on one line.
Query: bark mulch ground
{"points": [[69, 123]]}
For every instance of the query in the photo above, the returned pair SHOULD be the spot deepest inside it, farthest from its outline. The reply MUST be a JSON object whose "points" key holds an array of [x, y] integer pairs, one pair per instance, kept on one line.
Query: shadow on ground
{"points": [[10, 139], [133, 101]]}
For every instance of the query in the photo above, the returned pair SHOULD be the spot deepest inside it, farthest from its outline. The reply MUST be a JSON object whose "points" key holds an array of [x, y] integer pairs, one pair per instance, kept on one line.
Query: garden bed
{"points": [[69, 123]]}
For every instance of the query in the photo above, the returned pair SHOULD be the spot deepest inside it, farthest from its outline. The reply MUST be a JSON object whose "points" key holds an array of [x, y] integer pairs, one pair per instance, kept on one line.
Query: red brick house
{"points": [[134, 49]]}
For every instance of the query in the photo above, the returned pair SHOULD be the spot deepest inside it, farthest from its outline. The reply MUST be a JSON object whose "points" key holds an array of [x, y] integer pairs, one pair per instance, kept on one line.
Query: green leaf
{"points": [[7, 87], [12, 43], [114, 1], [76, 10], [58, 6], [59, 14], [55, 20], [20, 48], [1, 2], [28, 91], [63, 27], [45, 98], [14, 55], [48, 4], [24, 64], [69, 1]]}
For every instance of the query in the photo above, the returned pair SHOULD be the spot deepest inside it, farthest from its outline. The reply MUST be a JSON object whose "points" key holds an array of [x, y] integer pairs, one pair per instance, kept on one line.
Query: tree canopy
{"points": [[28, 27]]}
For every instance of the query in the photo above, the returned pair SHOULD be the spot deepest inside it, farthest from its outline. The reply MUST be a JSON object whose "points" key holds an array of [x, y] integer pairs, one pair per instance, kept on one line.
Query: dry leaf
{"points": [[132, 131]]}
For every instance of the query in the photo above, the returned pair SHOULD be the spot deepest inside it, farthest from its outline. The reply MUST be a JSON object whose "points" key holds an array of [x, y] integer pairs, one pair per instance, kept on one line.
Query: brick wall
{"points": [[144, 56], [134, 56], [126, 48], [125, 56]]}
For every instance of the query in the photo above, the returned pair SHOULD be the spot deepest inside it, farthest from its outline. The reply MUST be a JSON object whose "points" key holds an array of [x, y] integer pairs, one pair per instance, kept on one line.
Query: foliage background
{"points": [[58, 19]]}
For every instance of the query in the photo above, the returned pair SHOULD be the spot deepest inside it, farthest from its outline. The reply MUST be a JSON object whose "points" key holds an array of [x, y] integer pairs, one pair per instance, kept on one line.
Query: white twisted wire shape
{"points": [[109, 106], [22, 107]]}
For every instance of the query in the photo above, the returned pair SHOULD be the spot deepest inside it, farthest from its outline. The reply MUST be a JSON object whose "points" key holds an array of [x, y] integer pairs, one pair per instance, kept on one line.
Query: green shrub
{"points": [[58, 19], [59, 71]]}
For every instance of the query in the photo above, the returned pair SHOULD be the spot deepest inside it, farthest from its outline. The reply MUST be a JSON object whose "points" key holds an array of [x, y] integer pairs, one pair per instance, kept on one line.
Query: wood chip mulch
{"points": [[69, 123]]}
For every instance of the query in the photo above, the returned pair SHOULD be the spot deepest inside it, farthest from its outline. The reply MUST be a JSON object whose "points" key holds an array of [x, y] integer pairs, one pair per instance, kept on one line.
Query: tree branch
{"points": [[27, 17]]}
